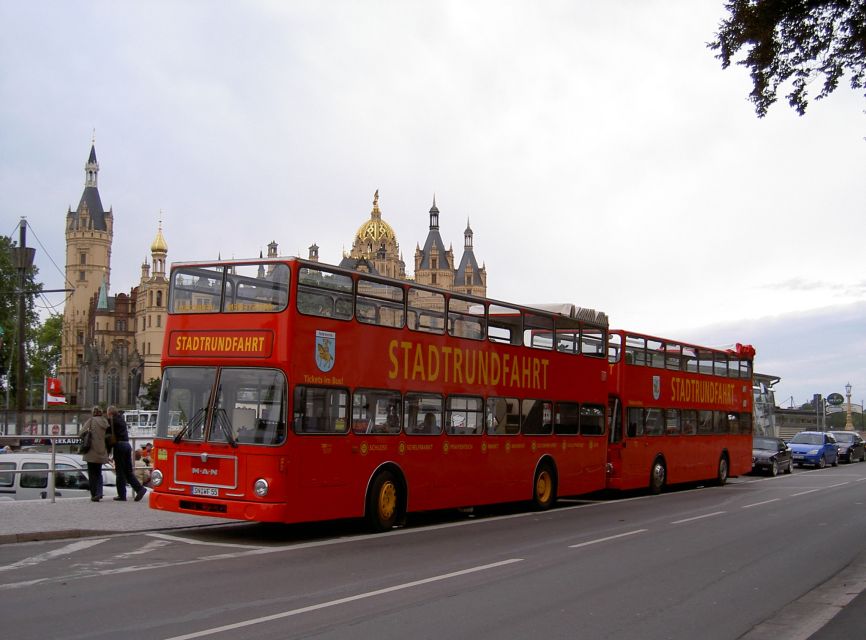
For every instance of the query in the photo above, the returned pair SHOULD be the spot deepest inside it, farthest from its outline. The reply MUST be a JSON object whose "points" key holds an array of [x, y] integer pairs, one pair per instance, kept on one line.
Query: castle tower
{"points": [[375, 247], [151, 300], [470, 278], [89, 235], [434, 265]]}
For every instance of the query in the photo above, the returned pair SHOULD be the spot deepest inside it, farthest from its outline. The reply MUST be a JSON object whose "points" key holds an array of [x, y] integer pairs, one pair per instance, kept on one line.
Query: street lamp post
{"points": [[849, 424]]}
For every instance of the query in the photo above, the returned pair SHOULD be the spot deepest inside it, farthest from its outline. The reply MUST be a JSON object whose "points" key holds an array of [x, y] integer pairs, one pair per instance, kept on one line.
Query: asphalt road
{"points": [[709, 563]]}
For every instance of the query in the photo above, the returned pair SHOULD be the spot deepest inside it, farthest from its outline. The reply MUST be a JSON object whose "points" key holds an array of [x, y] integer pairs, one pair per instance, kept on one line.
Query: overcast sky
{"points": [[601, 154]]}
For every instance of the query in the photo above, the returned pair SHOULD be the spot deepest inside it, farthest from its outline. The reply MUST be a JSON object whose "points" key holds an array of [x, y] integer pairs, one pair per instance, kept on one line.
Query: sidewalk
{"points": [[29, 520]]}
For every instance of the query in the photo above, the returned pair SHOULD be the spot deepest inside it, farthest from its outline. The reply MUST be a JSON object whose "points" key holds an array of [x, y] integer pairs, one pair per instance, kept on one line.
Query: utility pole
{"points": [[22, 256]]}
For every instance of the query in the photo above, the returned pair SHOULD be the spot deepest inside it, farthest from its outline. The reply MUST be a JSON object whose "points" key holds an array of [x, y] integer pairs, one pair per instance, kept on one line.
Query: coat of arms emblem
{"points": [[326, 350]]}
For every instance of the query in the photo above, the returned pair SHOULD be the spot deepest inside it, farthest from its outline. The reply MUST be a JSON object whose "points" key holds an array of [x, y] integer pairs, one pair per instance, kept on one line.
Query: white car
{"points": [[24, 476]]}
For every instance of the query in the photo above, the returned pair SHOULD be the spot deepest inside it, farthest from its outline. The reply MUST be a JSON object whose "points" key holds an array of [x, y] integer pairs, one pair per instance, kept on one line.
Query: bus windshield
{"points": [[248, 406]]}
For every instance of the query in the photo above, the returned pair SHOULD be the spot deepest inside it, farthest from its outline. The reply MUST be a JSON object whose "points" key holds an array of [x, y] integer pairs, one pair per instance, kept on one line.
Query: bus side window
{"points": [[567, 418], [503, 416], [690, 421], [592, 420], [635, 422], [537, 416], [320, 410]]}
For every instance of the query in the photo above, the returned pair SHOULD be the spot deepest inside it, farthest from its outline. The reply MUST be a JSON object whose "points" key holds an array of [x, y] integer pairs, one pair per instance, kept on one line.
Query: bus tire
{"points": [[383, 502], [658, 476], [722, 471], [544, 487]]}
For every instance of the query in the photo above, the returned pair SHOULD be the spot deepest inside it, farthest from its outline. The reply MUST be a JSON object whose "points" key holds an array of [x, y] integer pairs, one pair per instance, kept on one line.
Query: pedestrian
{"points": [[123, 458], [97, 455], [142, 468]]}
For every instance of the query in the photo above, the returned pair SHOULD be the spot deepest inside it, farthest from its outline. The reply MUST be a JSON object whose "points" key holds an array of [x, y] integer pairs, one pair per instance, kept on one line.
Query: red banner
{"points": [[54, 391]]}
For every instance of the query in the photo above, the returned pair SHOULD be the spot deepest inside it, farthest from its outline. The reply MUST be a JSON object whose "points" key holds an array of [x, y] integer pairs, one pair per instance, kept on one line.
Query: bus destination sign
{"points": [[227, 344]]}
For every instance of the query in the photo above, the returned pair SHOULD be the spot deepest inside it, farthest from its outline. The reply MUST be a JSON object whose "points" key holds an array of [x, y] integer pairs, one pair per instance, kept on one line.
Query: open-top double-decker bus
{"points": [[678, 412], [297, 391]]}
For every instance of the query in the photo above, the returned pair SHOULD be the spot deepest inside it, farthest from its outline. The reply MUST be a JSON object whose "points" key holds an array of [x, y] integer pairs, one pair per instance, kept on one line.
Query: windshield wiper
{"points": [[195, 421], [225, 425]]}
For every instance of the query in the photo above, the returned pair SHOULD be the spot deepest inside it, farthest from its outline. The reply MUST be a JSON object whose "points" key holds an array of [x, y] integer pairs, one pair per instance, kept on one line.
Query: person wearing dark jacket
{"points": [[123, 457]]}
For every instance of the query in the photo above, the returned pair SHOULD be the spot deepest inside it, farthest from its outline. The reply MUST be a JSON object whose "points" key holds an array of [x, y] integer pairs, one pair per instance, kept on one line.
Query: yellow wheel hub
{"points": [[387, 501]]}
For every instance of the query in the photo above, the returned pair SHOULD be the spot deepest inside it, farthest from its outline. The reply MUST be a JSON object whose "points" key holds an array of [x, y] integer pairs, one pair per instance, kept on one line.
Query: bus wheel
{"points": [[722, 476], [383, 502], [544, 488], [657, 476]]}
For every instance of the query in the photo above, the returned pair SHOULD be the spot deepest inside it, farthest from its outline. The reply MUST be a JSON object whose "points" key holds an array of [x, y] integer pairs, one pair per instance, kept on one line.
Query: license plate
{"points": [[205, 491]]}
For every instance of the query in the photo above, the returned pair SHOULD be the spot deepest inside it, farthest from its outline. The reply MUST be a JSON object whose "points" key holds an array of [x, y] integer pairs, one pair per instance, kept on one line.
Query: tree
{"points": [[794, 41], [151, 399], [9, 287], [45, 349]]}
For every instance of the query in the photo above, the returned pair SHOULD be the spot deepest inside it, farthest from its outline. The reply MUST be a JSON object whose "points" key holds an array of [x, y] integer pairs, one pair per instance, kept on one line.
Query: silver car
{"points": [[24, 476]]}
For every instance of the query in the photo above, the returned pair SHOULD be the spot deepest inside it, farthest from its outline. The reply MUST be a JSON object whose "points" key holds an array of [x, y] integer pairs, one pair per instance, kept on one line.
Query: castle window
{"points": [[80, 338], [82, 276], [113, 387], [159, 298], [83, 258], [433, 278], [158, 321], [434, 263]]}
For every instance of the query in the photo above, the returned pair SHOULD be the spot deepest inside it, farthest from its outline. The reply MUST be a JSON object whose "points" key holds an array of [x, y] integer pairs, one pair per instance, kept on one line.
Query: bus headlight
{"points": [[261, 488], [156, 477]]}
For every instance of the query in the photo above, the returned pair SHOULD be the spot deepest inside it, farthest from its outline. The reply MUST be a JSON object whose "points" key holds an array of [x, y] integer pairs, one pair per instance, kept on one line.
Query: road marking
{"points": [[838, 484], [61, 551], [165, 536], [803, 493], [619, 535], [706, 515], [757, 504], [333, 603], [153, 545]]}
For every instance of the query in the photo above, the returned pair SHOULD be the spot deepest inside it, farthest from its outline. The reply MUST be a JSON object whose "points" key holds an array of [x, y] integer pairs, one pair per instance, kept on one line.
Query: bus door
{"points": [[628, 450]]}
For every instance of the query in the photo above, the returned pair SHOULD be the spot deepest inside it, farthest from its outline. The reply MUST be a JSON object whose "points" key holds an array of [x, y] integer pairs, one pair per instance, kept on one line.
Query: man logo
{"points": [[657, 387]]}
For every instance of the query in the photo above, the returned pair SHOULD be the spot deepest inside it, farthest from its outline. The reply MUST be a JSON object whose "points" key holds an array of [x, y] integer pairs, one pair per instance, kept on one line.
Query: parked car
{"points": [[851, 446], [771, 455], [31, 483], [816, 448]]}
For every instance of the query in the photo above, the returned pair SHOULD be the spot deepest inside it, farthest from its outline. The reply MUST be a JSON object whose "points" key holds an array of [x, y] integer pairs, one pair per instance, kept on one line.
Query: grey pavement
{"points": [[29, 520]]}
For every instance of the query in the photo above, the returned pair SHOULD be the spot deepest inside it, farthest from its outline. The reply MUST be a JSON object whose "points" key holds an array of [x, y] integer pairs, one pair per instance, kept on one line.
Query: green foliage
{"points": [[45, 353], [151, 399], [9, 287], [794, 41]]}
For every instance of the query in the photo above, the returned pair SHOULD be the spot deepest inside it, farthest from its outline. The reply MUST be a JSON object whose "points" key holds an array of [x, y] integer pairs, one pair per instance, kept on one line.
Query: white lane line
{"points": [[61, 551], [333, 603], [706, 515], [170, 538], [619, 535], [757, 504], [803, 493], [838, 484]]}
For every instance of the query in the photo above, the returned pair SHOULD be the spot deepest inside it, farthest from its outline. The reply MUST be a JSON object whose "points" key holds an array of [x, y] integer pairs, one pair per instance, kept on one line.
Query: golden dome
{"points": [[159, 245], [375, 229]]}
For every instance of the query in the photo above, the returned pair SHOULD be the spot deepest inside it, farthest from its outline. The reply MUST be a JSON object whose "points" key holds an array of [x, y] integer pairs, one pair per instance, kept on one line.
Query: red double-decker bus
{"points": [[297, 391], [678, 412]]}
